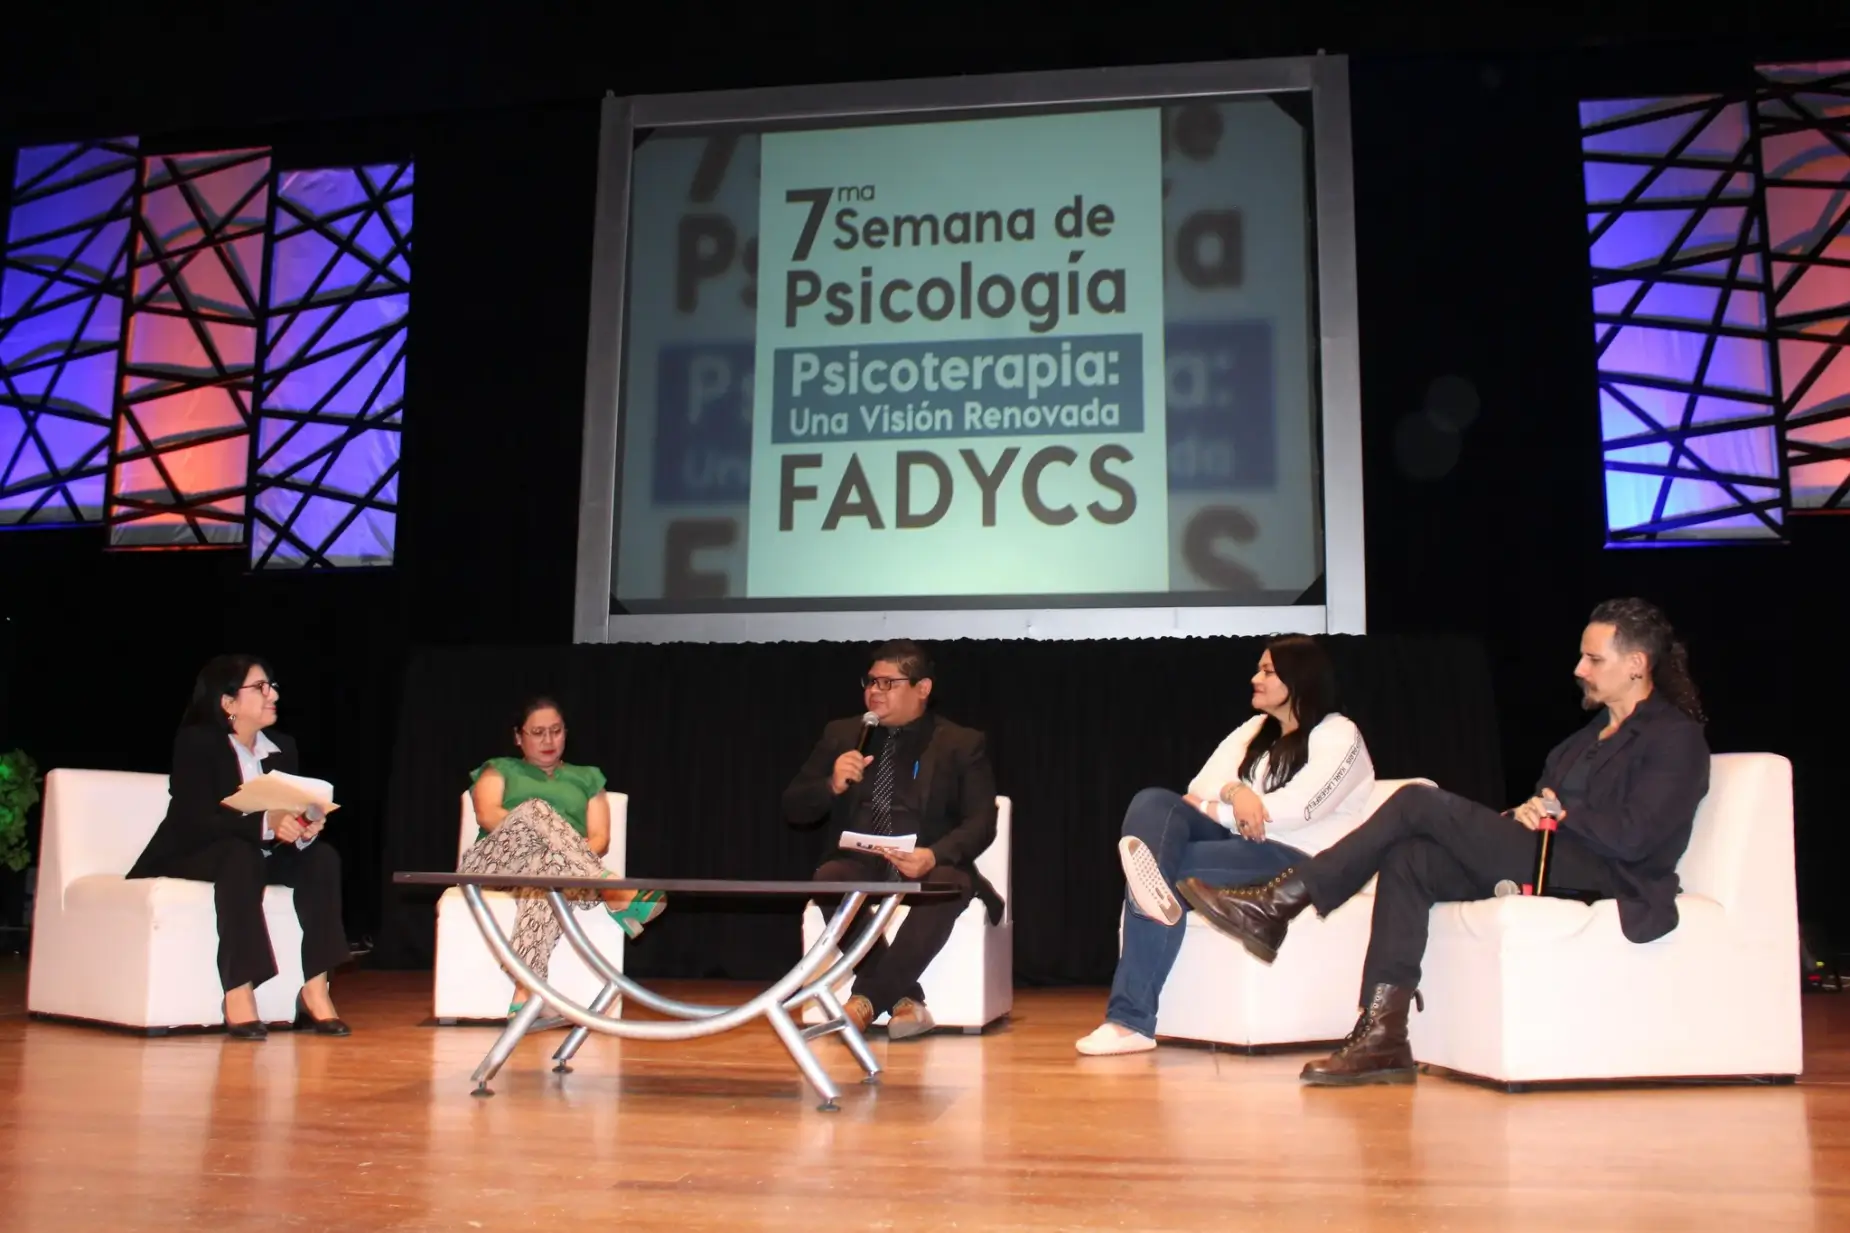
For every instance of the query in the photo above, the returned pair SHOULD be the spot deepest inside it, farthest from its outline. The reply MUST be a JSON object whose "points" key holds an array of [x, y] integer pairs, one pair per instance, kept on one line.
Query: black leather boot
{"points": [[1377, 1050], [1256, 915]]}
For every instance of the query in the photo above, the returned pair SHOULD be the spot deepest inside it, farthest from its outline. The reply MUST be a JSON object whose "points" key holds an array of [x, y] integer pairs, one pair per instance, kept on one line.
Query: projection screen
{"points": [[1050, 355]]}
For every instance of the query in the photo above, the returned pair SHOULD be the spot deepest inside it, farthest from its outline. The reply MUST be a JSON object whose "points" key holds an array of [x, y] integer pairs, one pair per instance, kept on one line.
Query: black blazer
{"points": [[1643, 787], [957, 794], [205, 772]]}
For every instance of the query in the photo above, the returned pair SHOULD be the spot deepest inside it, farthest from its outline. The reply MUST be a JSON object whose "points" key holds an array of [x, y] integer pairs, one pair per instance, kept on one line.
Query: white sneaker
{"points": [[1109, 1040], [1149, 889]]}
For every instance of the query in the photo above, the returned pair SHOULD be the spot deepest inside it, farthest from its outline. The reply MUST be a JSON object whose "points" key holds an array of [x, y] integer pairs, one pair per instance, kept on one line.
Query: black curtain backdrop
{"points": [[1472, 258], [704, 738]]}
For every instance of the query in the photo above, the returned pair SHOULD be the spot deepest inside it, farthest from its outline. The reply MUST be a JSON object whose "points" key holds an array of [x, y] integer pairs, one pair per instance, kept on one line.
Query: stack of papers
{"points": [[878, 843], [297, 794]]}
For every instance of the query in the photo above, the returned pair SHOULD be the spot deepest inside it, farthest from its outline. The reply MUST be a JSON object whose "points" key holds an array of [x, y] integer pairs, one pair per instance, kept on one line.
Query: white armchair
{"points": [[1219, 993], [1534, 990], [470, 986], [971, 983], [136, 954]]}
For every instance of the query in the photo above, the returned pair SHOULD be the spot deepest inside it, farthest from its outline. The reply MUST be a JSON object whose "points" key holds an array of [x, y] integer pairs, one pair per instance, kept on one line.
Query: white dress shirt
{"points": [[250, 766]]}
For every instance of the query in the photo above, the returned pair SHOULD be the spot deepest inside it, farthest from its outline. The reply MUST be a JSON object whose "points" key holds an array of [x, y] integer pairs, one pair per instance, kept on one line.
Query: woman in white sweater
{"points": [[1284, 785]]}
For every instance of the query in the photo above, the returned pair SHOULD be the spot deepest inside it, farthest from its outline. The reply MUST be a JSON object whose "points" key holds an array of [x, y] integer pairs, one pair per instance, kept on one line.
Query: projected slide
{"points": [[1034, 359]]}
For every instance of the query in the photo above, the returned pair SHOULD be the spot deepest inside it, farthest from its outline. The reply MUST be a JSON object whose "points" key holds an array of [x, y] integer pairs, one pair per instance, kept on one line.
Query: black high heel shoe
{"points": [[254, 1029], [322, 1027]]}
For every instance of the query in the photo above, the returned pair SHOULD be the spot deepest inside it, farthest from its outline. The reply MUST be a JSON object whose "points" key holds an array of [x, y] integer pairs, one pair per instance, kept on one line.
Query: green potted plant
{"points": [[19, 792]]}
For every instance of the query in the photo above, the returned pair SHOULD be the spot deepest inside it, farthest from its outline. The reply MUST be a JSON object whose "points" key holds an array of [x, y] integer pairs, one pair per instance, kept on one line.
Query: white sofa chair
{"points": [[1219, 994], [1534, 990], [971, 982], [141, 954], [470, 986]]}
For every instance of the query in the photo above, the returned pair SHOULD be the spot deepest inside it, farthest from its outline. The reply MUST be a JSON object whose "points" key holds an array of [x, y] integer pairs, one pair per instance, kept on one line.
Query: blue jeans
{"points": [[1186, 844]]}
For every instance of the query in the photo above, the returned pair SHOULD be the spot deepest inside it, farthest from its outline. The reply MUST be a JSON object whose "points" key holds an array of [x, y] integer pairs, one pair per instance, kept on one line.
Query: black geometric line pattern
{"points": [[1803, 126], [1685, 371], [183, 415], [331, 393], [63, 276]]}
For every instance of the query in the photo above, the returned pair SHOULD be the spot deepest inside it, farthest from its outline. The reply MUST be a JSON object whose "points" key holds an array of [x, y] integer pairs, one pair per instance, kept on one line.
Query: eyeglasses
{"points": [[540, 734], [886, 684], [262, 687]]}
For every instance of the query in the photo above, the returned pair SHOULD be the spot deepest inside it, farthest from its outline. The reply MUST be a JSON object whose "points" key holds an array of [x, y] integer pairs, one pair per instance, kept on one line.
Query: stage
{"points": [[1008, 1131]]}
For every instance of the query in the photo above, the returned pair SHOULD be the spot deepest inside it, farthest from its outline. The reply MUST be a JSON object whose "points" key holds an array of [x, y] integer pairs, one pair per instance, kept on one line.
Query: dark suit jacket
{"points": [[205, 772], [957, 795], [1643, 787]]}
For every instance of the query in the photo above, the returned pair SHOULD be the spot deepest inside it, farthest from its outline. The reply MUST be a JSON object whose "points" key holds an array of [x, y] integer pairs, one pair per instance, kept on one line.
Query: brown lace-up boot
{"points": [[1256, 916], [1376, 1050]]}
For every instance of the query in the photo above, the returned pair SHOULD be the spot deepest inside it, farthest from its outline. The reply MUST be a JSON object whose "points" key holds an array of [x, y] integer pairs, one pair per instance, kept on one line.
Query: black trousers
{"points": [[238, 871], [891, 972], [1429, 847]]}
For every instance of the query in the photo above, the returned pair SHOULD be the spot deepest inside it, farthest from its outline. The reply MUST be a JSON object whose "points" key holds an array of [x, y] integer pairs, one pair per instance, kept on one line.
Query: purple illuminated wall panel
{"points": [[1803, 125], [325, 463], [63, 275], [189, 353], [1686, 382]]}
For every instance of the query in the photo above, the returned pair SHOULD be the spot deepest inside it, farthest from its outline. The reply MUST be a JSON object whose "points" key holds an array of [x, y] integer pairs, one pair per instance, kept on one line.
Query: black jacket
{"points": [[957, 794], [1643, 787], [205, 772]]}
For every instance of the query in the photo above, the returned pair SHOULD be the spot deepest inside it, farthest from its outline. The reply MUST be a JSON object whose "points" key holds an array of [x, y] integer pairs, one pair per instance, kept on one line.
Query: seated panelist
{"points": [[1623, 792], [1286, 783], [922, 775], [223, 742], [539, 814]]}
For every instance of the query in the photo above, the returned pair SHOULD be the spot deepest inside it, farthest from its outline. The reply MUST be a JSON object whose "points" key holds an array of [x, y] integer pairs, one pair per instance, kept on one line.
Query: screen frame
{"points": [[1325, 78]]}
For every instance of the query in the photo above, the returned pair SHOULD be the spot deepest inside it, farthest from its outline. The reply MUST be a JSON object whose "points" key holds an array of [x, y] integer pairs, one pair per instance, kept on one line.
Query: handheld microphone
{"points": [[1506, 888], [1544, 834], [868, 723]]}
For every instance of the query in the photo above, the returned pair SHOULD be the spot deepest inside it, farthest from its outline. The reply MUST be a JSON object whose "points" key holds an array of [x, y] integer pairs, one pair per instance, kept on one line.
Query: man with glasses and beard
{"points": [[915, 774]]}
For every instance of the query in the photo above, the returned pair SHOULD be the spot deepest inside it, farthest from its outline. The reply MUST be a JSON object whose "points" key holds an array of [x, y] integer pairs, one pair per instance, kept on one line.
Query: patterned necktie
{"points": [[883, 784]]}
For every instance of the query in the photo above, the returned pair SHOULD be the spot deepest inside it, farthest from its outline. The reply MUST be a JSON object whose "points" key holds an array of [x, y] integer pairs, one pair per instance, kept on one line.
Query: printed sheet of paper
{"points": [[858, 842], [280, 790]]}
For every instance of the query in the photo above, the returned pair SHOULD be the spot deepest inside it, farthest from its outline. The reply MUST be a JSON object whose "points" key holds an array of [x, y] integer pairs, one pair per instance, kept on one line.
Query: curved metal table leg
{"points": [[499, 1052], [850, 1035], [822, 991], [710, 1021], [576, 1037]]}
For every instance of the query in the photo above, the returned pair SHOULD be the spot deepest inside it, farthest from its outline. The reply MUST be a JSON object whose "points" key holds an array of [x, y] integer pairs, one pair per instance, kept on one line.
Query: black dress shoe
{"points": [[321, 1027], [254, 1029]]}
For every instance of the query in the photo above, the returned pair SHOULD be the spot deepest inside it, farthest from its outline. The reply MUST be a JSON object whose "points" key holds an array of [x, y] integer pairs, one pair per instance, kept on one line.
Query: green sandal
{"points": [[645, 907]]}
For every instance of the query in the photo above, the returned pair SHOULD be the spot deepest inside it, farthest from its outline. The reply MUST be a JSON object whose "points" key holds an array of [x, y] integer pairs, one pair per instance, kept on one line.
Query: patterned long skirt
{"points": [[534, 839]]}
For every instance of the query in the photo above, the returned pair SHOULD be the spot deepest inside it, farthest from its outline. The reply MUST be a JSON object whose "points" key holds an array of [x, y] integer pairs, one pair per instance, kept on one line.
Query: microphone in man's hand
{"points": [[868, 722]]}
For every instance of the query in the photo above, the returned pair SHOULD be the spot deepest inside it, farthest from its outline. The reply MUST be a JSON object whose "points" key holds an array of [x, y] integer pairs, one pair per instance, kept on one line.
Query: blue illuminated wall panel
{"points": [[325, 469], [63, 277], [205, 350], [1686, 382]]}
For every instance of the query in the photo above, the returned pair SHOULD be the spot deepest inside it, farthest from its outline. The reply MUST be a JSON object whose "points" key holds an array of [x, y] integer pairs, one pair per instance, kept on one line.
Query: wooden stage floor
{"points": [[1008, 1131]]}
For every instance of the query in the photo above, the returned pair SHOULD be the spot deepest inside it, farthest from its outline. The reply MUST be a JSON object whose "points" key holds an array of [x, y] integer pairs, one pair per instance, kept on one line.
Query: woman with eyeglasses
{"points": [[542, 815], [223, 743]]}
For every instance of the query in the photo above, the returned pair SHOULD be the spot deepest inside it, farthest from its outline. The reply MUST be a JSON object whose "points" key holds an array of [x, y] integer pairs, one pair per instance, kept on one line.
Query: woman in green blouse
{"points": [[540, 814]]}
